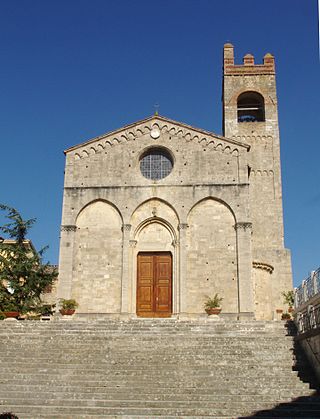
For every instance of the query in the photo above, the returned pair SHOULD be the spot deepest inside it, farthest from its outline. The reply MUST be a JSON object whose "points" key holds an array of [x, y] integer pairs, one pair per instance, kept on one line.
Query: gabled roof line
{"points": [[161, 118]]}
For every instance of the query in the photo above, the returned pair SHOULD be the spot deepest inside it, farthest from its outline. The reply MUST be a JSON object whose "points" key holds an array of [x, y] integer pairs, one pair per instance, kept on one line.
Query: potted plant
{"points": [[289, 299], [286, 316], [46, 309], [212, 305], [68, 307], [10, 310]]}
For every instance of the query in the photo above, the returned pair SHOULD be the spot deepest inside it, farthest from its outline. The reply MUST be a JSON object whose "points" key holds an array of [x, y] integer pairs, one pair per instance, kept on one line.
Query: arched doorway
{"points": [[154, 260]]}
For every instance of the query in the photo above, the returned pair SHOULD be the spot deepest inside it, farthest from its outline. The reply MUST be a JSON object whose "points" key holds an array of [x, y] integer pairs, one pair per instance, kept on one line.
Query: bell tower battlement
{"points": [[248, 66], [250, 114], [249, 96]]}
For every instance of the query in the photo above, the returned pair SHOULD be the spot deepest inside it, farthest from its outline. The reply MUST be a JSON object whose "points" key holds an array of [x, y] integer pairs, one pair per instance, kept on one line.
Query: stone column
{"points": [[305, 291], [245, 284], [183, 267], [126, 228], [314, 283], [66, 261]]}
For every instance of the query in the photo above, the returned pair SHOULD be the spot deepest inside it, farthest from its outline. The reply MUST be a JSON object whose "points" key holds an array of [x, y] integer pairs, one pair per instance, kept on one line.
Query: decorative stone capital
{"points": [[126, 227], [264, 266], [133, 243], [243, 226], [68, 228], [175, 243], [183, 226]]}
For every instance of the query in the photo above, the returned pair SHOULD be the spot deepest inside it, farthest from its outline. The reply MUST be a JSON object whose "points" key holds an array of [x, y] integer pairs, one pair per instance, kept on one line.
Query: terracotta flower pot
{"points": [[215, 310], [67, 312], [11, 314], [290, 309]]}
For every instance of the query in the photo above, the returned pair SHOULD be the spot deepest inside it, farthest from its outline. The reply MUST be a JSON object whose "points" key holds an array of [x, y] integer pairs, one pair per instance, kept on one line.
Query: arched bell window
{"points": [[250, 106]]}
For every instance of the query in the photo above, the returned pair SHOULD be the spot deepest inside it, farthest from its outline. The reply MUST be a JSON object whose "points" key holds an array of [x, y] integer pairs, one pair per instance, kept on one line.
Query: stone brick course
{"points": [[151, 368]]}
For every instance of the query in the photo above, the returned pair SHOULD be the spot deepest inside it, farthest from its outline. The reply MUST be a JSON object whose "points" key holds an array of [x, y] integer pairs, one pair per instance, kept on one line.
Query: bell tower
{"points": [[250, 115]]}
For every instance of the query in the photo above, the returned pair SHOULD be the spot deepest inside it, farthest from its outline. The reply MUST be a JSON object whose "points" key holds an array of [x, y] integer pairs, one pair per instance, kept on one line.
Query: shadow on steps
{"points": [[300, 407]]}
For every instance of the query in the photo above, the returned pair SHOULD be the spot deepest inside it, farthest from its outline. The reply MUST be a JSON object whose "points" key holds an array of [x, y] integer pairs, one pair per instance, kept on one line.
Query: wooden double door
{"points": [[154, 284]]}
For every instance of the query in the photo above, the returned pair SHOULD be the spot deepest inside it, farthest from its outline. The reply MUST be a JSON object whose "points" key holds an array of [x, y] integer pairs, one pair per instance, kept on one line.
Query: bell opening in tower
{"points": [[250, 107]]}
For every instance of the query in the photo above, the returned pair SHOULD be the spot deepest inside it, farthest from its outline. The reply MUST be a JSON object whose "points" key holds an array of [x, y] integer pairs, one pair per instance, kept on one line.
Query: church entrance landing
{"points": [[154, 284]]}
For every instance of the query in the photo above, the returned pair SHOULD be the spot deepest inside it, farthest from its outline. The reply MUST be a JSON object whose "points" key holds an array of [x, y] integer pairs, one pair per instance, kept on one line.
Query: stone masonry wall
{"points": [[264, 162], [141, 215], [97, 262], [211, 256]]}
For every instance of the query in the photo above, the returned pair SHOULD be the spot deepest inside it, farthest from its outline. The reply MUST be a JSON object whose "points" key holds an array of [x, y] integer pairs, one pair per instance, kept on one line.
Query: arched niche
{"points": [[153, 209], [153, 232], [155, 235], [211, 256], [97, 259]]}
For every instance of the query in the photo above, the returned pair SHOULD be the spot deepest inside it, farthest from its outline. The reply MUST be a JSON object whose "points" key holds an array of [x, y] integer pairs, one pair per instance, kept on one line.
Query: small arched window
{"points": [[250, 107]]}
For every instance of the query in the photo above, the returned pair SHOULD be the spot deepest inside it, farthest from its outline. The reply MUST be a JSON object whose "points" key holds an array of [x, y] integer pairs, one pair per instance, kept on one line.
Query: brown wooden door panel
{"points": [[154, 285], [163, 283], [145, 284]]}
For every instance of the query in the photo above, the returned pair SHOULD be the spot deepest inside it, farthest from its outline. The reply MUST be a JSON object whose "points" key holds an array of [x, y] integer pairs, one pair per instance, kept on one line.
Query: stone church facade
{"points": [[159, 215]]}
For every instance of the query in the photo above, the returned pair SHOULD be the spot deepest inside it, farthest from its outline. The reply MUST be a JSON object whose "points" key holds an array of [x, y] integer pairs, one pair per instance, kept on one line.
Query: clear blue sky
{"points": [[74, 69]]}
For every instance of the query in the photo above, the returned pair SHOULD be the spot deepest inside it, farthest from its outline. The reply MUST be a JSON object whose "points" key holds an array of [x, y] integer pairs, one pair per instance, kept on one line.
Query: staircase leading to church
{"points": [[153, 368]]}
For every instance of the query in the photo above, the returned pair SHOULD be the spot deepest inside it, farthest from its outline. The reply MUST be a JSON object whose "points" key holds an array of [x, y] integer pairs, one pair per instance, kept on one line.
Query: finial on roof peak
{"points": [[156, 109]]}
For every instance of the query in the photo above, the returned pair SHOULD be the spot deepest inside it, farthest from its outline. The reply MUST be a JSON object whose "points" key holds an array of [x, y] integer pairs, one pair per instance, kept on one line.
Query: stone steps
{"points": [[173, 369], [245, 405], [150, 369], [67, 393], [294, 389], [229, 411], [154, 327], [285, 390], [142, 375]]}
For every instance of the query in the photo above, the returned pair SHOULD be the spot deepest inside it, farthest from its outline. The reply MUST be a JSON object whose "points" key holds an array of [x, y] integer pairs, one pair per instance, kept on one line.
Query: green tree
{"points": [[23, 275], [288, 298]]}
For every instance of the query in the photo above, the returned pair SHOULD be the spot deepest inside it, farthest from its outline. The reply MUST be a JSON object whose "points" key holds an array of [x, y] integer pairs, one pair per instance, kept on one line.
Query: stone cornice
{"points": [[255, 69], [188, 185], [68, 228], [126, 227], [264, 266], [137, 129], [183, 226], [243, 226]]}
